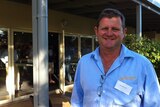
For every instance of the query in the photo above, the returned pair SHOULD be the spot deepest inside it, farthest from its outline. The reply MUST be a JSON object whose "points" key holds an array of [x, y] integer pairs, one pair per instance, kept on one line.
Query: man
{"points": [[113, 75]]}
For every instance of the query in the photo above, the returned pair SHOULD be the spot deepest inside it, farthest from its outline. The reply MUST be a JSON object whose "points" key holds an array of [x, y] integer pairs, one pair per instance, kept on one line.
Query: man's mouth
{"points": [[109, 38]]}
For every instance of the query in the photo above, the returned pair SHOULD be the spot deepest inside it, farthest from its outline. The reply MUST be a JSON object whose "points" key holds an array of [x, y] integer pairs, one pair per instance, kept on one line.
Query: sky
{"points": [[155, 2]]}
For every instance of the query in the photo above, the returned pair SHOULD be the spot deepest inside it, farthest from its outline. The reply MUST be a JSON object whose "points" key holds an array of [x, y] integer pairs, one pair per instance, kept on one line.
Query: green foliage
{"points": [[146, 47]]}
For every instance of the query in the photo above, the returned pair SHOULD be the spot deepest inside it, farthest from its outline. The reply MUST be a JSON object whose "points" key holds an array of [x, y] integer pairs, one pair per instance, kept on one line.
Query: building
{"points": [[69, 37]]}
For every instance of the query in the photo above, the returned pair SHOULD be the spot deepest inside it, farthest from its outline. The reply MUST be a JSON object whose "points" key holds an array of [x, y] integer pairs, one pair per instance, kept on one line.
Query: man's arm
{"points": [[77, 93], [151, 96]]}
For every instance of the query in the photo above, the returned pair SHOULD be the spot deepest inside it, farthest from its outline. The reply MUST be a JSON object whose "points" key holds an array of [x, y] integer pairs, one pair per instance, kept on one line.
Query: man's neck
{"points": [[108, 57], [109, 53]]}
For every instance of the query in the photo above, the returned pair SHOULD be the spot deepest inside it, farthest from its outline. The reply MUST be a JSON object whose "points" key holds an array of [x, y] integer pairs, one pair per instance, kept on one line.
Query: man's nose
{"points": [[109, 32]]}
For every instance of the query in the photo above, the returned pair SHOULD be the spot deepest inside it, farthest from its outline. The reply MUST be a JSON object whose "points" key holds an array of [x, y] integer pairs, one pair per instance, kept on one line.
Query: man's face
{"points": [[110, 32]]}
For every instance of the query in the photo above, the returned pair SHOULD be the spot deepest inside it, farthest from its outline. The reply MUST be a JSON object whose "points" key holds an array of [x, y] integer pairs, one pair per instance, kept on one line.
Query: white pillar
{"points": [[139, 21], [40, 52]]}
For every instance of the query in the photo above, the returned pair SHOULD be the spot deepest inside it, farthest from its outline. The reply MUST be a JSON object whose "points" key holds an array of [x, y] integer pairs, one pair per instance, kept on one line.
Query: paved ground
{"points": [[57, 100]]}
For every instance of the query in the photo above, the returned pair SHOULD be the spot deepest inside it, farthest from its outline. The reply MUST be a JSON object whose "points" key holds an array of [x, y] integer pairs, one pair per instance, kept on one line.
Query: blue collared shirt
{"points": [[131, 81]]}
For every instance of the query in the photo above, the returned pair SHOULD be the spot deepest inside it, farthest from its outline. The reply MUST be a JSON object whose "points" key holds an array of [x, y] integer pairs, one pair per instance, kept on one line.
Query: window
{"points": [[23, 63]]}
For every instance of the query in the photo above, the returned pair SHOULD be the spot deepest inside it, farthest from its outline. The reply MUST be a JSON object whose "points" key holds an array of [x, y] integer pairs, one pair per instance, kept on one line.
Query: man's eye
{"points": [[105, 29], [115, 29]]}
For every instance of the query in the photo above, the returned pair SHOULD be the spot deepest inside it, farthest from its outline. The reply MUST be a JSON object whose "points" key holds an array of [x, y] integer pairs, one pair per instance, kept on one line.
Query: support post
{"points": [[40, 52], [139, 21]]}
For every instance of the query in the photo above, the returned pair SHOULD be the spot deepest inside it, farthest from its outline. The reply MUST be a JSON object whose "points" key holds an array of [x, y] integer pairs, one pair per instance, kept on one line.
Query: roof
{"points": [[92, 8]]}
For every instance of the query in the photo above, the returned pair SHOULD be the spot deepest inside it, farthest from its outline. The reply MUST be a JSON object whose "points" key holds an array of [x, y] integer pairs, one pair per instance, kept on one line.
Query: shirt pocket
{"points": [[123, 100]]}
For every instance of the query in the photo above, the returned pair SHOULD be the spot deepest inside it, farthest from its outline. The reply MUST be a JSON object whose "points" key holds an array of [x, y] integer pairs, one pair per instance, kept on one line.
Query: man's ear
{"points": [[125, 32], [95, 29]]}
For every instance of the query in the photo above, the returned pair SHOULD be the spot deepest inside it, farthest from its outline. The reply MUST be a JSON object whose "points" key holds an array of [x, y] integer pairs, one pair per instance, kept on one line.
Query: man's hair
{"points": [[109, 13]]}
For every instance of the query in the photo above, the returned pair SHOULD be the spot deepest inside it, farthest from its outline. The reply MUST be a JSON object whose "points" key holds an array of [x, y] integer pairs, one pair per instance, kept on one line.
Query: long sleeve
{"points": [[77, 93], [151, 88]]}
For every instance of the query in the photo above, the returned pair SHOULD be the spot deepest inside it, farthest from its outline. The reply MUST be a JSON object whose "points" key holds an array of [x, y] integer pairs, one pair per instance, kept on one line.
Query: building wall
{"points": [[16, 15], [72, 23], [157, 36], [19, 16]]}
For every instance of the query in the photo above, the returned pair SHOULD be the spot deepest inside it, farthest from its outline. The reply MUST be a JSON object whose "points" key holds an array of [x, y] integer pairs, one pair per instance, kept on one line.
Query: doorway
{"points": [[4, 74], [53, 55]]}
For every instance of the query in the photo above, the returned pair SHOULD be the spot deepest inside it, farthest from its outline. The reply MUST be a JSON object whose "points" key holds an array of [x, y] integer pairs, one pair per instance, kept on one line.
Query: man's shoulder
{"points": [[87, 56], [139, 56]]}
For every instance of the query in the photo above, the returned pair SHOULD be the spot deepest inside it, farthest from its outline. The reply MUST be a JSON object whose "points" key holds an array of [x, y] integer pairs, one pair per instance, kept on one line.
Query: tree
{"points": [[147, 47]]}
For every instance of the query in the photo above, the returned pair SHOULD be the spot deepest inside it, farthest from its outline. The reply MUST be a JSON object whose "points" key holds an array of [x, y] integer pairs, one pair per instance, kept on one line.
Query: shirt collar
{"points": [[125, 53]]}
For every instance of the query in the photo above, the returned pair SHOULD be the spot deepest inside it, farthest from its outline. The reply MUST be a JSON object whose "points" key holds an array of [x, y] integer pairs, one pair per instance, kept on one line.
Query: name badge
{"points": [[123, 87]]}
